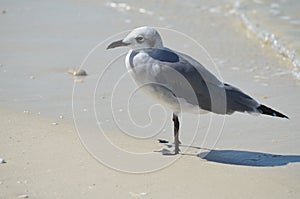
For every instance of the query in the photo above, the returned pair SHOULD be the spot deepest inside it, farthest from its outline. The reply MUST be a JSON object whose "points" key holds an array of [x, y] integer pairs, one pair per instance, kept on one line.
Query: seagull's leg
{"points": [[176, 133]]}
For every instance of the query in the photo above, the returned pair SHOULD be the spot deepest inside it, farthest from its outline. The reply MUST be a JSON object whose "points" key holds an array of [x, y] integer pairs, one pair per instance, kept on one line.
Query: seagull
{"points": [[181, 83]]}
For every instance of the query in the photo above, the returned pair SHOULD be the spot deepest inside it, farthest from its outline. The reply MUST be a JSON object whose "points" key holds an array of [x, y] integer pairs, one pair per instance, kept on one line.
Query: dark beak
{"points": [[117, 44]]}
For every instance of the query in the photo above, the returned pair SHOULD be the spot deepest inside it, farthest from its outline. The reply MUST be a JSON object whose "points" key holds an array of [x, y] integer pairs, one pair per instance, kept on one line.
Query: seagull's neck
{"points": [[158, 44]]}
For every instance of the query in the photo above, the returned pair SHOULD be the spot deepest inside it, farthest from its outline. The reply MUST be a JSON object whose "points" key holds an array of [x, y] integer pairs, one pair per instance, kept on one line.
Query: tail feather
{"points": [[268, 111]]}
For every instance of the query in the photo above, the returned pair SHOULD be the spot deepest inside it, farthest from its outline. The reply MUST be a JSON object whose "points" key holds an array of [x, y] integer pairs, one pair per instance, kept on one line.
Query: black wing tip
{"points": [[268, 111]]}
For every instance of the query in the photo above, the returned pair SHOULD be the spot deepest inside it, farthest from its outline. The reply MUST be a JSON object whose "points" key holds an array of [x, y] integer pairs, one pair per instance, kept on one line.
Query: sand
{"points": [[48, 161], [255, 156]]}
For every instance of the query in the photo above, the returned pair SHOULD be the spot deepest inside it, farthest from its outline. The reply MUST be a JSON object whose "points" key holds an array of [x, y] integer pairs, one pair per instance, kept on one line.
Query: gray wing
{"points": [[189, 80], [237, 100]]}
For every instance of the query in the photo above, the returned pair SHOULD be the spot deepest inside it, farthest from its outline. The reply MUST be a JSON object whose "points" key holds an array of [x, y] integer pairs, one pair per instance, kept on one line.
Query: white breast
{"points": [[144, 71]]}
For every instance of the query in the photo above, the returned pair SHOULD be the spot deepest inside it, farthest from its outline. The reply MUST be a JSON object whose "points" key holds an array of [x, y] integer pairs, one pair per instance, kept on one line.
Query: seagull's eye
{"points": [[139, 39]]}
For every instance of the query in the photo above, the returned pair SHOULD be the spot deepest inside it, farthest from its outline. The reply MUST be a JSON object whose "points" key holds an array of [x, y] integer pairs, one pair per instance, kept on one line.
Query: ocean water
{"points": [[274, 23]]}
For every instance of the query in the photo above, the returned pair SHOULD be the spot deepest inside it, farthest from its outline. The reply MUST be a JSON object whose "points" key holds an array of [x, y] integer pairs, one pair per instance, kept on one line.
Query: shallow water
{"points": [[275, 23]]}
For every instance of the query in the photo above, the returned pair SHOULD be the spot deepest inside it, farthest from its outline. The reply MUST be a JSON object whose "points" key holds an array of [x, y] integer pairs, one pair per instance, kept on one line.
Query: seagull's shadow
{"points": [[242, 158], [248, 158]]}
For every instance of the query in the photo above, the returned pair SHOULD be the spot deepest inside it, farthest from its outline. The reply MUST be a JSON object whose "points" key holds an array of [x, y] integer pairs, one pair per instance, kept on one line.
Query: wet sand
{"points": [[255, 156]]}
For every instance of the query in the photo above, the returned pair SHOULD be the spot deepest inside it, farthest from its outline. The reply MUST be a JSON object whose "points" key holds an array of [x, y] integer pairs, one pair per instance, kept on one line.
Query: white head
{"points": [[142, 37]]}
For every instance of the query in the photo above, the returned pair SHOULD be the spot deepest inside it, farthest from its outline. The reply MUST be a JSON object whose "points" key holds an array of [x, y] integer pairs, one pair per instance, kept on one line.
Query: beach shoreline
{"points": [[46, 112]]}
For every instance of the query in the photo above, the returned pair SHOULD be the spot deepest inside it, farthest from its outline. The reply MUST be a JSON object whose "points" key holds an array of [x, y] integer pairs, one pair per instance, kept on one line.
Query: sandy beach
{"points": [[48, 161], [66, 137]]}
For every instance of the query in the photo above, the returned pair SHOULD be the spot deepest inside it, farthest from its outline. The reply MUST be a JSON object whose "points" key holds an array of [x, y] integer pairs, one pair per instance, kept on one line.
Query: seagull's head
{"points": [[142, 37]]}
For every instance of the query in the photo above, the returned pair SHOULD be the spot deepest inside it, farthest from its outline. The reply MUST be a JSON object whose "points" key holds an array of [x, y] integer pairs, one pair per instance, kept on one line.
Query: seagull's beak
{"points": [[117, 44]]}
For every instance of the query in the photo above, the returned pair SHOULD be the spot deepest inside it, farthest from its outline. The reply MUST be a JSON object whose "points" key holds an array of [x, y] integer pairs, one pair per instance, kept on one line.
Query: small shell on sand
{"points": [[137, 195], [2, 161], [79, 72], [23, 196]]}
